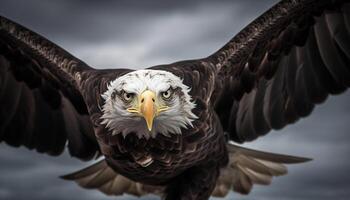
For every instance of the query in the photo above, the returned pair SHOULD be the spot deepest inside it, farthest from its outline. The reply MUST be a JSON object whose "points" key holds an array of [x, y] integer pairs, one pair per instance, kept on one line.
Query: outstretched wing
{"points": [[41, 105], [276, 69]]}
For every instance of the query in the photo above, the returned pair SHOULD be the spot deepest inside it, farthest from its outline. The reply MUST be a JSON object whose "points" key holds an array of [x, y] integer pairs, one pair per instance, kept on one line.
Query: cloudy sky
{"points": [[139, 34]]}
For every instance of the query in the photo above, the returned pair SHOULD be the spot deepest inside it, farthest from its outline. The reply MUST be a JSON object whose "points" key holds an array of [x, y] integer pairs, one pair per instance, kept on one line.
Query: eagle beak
{"points": [[148, 108]]}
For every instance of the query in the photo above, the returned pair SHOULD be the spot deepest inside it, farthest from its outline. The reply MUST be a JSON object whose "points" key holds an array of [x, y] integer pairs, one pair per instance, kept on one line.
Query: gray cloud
{"points": [[143, 33], [134, 34]]}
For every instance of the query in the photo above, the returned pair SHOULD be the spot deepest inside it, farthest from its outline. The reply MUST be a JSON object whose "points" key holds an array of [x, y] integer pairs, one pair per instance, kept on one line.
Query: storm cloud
{"points": [[138, 34]]}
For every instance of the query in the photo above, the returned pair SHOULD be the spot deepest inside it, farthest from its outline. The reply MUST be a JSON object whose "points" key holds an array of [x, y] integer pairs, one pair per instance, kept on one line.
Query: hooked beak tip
{"points": [[148, 108]]}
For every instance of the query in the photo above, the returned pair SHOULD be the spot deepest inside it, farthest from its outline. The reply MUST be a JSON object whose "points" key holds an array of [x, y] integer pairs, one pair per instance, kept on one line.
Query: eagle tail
{"points": [[103, 178], [248, 167]]}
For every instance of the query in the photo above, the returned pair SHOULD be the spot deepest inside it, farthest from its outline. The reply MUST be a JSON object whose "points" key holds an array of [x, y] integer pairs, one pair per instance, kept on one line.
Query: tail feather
{"points": [[273, 157], [100, 176], [256, 177], [248, 167]]}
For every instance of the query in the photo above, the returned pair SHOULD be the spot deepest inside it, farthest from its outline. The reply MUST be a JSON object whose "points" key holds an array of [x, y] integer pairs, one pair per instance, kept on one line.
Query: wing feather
{"points": [[260, 124], [280, 66], [275, 70], [43, 107], [330, 55]]}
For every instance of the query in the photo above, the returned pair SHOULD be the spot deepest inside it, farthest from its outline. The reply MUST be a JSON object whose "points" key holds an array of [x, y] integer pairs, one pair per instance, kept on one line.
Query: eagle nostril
{"points": [[142, 100], [153, 99]]}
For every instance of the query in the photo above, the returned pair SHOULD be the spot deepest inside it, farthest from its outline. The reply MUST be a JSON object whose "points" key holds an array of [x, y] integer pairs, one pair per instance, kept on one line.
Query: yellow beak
{"points": [[148, 108]]}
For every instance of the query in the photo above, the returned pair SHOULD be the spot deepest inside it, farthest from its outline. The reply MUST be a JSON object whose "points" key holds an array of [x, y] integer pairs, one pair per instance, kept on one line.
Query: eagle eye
{"points": [[126, 96], [167, 94]]}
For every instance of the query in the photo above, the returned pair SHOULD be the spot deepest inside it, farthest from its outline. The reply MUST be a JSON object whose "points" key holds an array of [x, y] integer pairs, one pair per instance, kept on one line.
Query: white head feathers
{"points": [[178, 114]]}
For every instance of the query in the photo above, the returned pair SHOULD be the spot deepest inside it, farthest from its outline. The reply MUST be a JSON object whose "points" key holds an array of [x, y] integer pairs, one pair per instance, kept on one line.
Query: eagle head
{"points": [[147, 102]]}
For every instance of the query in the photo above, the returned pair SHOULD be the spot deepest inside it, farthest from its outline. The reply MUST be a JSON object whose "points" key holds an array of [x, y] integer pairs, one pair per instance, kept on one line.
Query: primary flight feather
{"points": [[169, 129]]}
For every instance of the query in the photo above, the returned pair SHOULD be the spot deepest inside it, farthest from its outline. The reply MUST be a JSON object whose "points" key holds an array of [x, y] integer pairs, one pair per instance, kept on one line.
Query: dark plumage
{"points": [[269, 75]]}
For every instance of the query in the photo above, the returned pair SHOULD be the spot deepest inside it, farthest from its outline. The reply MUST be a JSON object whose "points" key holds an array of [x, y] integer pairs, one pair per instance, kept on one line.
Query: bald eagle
{"points": [[171, 129]]}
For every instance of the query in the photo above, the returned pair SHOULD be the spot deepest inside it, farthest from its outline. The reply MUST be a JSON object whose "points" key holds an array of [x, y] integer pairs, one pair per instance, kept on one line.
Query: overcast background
{"points": [[139, 34]]}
